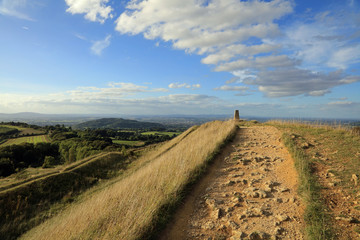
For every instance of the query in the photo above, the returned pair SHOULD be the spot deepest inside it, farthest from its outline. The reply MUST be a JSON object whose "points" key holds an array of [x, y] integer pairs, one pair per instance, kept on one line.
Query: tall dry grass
{"points": [[312, 124], [129, 208]]}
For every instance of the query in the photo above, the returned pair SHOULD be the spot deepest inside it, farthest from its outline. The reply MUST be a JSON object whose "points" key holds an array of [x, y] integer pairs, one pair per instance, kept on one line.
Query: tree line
{"points": [[67, 146]]}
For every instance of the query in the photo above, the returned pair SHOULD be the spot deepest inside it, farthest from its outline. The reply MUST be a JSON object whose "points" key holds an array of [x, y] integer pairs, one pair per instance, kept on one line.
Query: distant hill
{"points": [[118, 123]]}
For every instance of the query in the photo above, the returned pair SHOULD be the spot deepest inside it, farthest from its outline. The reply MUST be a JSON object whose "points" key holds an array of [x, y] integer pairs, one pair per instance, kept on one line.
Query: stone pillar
{"points": [[236, 115]]}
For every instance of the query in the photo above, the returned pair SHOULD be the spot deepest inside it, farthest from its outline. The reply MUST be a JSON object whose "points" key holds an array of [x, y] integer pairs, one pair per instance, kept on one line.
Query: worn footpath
{"points": [[249, 193]]}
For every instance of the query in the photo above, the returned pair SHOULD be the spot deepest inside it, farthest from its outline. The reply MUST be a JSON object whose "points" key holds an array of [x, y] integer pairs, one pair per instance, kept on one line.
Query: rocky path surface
{"points": [[249, 193]]}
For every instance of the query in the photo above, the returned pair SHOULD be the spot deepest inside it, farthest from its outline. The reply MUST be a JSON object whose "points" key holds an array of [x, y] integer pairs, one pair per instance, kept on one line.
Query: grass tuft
{"points": [[316, 217]]}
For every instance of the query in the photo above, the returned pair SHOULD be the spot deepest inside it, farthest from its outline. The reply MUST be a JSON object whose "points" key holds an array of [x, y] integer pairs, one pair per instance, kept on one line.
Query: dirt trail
{"points": [[248, 193]]}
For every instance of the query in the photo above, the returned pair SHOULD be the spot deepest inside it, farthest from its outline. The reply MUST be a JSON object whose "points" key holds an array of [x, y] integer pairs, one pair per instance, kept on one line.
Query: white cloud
{"points": [[90, 100], [293, 82], [217, 27], [11, 8], [184, 85], [275, 61], [229, 52], [241, 75], [114, 90], [232, 88], [242, 37], [343, 57], [94, 10], [329, 39], [98, 46], [99, 100], [318, 93], [241, 90], [233, 80], [79, 36]]}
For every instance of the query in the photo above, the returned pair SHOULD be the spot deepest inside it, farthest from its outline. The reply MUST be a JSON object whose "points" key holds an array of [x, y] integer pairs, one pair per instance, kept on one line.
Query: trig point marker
{"points": [[236, 115]]}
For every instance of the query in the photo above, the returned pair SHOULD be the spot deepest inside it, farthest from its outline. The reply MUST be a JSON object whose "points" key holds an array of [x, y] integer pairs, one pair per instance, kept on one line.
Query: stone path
{"points": [[252, 195]]}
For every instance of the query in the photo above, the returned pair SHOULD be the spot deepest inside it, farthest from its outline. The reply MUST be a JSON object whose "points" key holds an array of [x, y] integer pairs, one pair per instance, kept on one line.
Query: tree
{"points": [[6, 167], [49, 161]]}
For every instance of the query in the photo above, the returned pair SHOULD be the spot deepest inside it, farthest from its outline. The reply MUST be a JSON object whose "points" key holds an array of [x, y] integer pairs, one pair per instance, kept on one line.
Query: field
{"points": [[7, 131], [161, 133], [16, 127], [31, 139], [24, 130], [129, 143]]}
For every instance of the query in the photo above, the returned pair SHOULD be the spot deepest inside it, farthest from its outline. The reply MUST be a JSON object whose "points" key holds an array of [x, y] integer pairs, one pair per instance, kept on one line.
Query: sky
{"points": [[273, 58]]}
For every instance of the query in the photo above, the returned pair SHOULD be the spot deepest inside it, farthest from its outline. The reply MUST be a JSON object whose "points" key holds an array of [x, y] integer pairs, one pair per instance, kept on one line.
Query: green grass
{"points": [[129, 143], [6, 130], [11, 126], [335, 147], [23, 130], [32, 139], [160, 133], [316, 216]]}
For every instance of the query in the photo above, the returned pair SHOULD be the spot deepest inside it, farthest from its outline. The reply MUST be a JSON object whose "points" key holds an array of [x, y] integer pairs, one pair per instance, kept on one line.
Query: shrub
{"points": [[6, 167], [49, 161]]}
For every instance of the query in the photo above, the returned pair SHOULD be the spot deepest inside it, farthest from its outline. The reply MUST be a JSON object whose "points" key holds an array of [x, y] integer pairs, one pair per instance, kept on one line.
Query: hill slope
{"points": [[118, 123], [129, 208]]}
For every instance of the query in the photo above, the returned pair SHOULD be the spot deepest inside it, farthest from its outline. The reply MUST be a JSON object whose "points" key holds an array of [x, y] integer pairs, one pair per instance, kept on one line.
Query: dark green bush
{"points": [[49, 161]]}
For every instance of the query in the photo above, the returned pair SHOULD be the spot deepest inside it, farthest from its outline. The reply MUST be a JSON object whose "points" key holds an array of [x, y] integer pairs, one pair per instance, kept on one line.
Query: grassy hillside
{"points": [[5, 130], [23, 130], [326, 159], [32, 139], [134, 205], [25, 204], [118, 123]]}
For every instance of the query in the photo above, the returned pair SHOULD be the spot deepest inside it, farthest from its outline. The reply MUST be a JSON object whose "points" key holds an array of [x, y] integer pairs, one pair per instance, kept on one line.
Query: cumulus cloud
{"points": [[98, 46], [277, 61], [229, 52], [293, 81], [217, 27], [242, 37], [94, 10], [184, 85], [12, 8]]}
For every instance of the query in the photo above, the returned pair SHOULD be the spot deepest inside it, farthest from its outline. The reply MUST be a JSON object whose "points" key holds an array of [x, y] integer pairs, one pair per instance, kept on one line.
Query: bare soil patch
{"points": [[248, 193]]}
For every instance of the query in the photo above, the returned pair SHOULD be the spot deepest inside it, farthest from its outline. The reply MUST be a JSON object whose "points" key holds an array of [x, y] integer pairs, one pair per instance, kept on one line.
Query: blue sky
{"points": [[276, 58]]}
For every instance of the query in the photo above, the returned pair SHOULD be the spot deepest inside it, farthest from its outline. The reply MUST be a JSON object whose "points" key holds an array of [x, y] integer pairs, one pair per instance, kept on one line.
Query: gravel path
{"points": [[249, 193]]}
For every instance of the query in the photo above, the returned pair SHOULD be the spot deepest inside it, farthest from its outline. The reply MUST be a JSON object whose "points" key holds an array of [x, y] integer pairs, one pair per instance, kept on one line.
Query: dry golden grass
{"points": [[128, 208], [319, 148], [308, 124]]}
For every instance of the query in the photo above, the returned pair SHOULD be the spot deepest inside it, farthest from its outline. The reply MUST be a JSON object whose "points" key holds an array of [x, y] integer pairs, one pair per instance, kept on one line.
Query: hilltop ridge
{"points": [[119, 123]]}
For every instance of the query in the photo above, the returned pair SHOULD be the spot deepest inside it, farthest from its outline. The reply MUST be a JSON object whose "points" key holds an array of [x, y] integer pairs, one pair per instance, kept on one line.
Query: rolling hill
{"points": [[119, 123]]}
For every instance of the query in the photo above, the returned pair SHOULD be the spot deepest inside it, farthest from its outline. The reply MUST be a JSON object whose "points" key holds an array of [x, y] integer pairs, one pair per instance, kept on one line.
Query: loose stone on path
{"points": [[252, 195]]}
